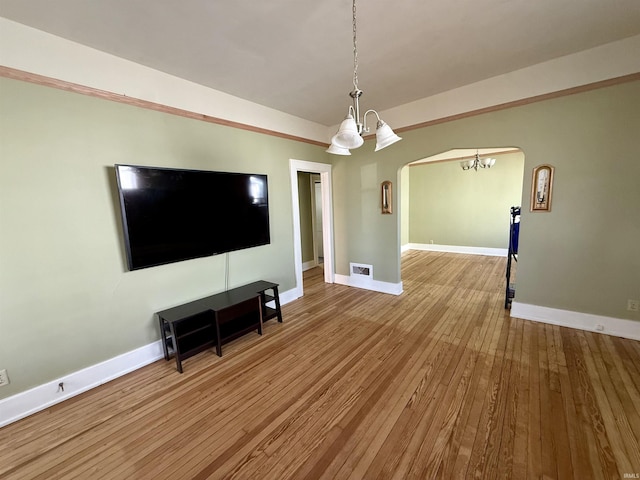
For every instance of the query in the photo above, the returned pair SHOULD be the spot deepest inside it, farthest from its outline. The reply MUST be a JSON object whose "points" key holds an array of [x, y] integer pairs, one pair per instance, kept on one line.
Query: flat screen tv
{"points": [[170, 215]]}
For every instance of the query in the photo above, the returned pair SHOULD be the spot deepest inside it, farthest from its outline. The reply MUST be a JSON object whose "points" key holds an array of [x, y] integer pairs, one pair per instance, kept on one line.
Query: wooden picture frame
{"points": [[542, 188], [386, 197]]}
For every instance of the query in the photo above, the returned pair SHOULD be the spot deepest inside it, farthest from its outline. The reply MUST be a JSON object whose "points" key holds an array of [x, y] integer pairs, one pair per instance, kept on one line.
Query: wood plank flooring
{"points": [[435, 383]]}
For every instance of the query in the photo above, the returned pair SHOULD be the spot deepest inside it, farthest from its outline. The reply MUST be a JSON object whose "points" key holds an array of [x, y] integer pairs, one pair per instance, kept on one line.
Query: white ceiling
{"points": [[296, 55]]}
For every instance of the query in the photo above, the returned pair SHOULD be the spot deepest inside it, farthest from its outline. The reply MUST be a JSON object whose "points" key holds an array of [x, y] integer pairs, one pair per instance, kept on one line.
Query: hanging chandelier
{"points": [[353, 127], [477, 162]]}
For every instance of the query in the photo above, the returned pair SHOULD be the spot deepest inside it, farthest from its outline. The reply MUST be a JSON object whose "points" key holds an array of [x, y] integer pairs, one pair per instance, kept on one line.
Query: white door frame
{"points": [[324, 170], [314, 217]]}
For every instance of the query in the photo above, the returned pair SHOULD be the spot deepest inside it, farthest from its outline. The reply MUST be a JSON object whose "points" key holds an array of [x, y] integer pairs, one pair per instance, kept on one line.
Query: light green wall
{"points": [[583, 256], [66, 299], [449, 206], [306, 224]]}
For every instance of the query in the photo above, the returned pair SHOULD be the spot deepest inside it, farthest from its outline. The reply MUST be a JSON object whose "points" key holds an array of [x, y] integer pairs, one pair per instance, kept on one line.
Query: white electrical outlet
{"points": [[4, 378], [633, 305]]}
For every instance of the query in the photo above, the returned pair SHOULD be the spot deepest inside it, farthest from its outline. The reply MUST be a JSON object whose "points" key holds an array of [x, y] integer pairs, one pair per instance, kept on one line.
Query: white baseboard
{"points": [[26, 403], [308, 265], [286, 297], [492, 252], [43, 396], [369, 284], [582, 321]]}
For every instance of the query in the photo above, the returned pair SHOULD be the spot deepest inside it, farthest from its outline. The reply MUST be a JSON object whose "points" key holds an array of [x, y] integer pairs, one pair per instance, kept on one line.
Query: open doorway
{"points": [[320, 174], [453, 205], [316, 219]]}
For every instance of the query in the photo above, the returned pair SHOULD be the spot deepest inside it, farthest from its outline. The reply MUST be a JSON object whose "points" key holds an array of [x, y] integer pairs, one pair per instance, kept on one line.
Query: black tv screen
{"points": [[169, 215]]}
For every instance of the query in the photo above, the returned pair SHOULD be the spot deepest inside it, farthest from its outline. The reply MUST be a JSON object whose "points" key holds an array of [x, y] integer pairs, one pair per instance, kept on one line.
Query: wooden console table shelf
{"points": [[190, 328]]}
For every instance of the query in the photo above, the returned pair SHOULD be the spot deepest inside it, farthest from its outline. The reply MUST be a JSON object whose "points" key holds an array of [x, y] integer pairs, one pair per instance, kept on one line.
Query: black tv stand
{"points": [[193, 327]]}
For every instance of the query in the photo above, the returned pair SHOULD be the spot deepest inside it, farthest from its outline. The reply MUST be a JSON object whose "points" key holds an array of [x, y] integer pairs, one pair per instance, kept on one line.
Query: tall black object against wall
{"points": [[514, 235]]}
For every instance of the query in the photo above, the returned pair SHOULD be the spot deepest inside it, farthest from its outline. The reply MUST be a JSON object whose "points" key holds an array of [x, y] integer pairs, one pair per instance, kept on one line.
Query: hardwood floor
{"points": [[438, 382]]}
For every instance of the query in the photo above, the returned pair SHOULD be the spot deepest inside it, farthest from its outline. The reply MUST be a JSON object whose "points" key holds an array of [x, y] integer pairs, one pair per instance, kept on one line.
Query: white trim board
{"points": [[43, 396], [492, 252], [359, 281], [46, 395], [309, 265], [617, 327], [324, 169], [31, 401]]}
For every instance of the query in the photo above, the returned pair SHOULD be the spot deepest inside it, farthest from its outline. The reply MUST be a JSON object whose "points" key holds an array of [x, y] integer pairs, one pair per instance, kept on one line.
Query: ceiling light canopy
{"points": [[477, 162], [352, 127]]}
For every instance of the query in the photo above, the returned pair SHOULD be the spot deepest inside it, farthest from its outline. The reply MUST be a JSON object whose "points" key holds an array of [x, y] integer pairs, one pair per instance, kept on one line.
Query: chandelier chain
{"points": [[353, 126], [355, 50]]}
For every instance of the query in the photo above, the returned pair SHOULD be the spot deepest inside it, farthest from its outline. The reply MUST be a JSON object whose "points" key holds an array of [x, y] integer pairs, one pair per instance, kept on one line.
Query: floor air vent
{"points": [[361, 270]]}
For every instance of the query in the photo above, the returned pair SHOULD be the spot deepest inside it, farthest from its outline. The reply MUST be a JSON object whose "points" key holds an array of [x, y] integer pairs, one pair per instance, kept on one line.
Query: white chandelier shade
{"points": [[348, 135], [334, 149], [385, 136]]}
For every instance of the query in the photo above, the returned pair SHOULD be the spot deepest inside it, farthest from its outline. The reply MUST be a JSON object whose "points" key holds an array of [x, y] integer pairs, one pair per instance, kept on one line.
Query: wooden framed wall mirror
{"points": [[386, 196], [542, 188]]}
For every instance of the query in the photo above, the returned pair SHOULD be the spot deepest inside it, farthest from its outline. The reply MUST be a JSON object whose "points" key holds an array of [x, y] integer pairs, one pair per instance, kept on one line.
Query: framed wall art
{"points": [[542, 188], [385, 197]]}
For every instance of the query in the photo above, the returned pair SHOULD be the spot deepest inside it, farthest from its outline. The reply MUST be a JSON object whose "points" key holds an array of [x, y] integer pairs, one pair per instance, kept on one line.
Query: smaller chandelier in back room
{"points": [[352, 128], [477, 162]]}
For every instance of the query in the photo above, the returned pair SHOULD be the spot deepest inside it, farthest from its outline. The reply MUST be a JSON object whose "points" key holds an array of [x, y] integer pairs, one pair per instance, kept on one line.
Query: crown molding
{"points": [[525, 101], [37, 79], [24, 76]]}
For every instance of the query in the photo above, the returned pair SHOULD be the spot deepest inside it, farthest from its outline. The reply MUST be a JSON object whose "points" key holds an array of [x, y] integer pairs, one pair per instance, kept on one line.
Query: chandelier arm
{"points": [[364, 119]]}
